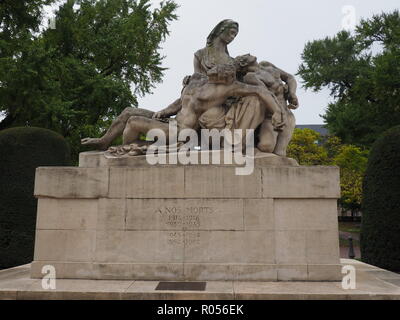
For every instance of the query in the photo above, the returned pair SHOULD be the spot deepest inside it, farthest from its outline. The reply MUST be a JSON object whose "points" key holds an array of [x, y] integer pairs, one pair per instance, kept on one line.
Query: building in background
{"points": [[320, 128]]}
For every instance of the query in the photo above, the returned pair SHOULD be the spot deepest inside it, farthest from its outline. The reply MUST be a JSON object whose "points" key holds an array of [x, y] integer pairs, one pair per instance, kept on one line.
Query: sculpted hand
{"points": [[158, 115], [278, 121], [293, 102]]}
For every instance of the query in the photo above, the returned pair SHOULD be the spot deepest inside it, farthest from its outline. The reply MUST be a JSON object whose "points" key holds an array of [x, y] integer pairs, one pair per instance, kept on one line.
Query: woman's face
{"points": [[228, 35]]}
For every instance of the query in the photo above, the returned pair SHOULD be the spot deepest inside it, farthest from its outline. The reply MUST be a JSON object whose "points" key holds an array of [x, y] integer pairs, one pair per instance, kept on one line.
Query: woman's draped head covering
{"points": [[219, 28]]}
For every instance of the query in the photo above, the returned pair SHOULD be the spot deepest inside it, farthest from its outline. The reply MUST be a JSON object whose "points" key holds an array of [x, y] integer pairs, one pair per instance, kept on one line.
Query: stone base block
{"points": [[372, 283], [189, 271], [192, 222]]}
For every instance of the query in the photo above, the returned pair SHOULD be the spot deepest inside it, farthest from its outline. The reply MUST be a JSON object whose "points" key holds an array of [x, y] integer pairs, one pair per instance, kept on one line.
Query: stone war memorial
{"points": [[200, 201], [209, 195]]}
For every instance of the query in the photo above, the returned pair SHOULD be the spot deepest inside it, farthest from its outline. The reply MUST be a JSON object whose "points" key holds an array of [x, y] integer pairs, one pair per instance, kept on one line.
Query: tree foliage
{"points": [[352, 162], [305, 148], [309, 148], [19, 18], [362, 71], [77, 77], [380, 229]]}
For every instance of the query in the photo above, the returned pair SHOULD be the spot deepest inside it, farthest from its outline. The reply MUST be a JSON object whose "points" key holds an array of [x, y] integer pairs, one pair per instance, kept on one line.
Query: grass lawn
{"points": [[349, 227], [353, 227]]}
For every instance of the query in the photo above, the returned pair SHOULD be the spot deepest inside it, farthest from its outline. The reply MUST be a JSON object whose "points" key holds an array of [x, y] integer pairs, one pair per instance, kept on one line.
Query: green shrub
{"points": [[22, 150], [380, 229]]}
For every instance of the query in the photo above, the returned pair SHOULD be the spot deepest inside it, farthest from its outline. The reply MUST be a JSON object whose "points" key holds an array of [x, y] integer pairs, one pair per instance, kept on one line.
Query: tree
{"points": [[19, 21], [305, 149], [332, 145], [77, 77], [380, 228], [363, 81], [352, 162]]}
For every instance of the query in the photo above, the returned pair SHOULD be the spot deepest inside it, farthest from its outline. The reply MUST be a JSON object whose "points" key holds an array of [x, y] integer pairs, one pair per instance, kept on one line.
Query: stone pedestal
{"points": [[118, 220]]}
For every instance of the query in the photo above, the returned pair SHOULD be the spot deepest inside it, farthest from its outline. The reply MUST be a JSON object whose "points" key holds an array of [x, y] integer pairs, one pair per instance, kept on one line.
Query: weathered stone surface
{"points": [[301, 182], [139, 246], [262, 159], [91, 159], [221, 182], [71, 183], [155, 182], [143, 271], [305, 214], [292, 272], [324, 272], [290, 247], [111, 214], [64, 214], [229, 247], [258, 214], [209, 271], [322, 247], [64, 245], [239, 272]]}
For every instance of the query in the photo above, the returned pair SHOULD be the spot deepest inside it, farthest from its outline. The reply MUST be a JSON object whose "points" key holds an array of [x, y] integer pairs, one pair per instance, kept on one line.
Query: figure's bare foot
{"points": [[128, 149], [95, 142], [135, 152]]}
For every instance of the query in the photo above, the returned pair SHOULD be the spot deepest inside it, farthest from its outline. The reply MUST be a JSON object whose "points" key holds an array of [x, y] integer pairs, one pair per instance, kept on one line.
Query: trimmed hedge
{"points": [[22, 150], [380, 228]]}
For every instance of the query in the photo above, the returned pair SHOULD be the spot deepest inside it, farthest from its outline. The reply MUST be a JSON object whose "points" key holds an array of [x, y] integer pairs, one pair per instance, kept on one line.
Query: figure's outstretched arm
{"points": [[169, 111]]}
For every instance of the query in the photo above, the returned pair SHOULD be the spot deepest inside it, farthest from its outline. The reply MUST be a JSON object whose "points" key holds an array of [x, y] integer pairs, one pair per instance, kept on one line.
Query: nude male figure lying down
{"points": [[199, 95]]}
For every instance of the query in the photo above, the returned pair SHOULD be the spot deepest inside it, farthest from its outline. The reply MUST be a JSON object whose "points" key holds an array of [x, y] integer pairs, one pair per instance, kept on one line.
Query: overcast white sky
{"points": [[272, 30]]}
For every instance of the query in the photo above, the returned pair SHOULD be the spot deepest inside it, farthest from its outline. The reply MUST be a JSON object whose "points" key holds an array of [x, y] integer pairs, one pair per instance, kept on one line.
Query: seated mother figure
{"points": [[236, 113]]}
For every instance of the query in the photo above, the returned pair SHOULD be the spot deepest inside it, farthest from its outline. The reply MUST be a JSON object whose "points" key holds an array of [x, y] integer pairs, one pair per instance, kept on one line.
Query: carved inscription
{"points": [[184, 217], [187, 238]]}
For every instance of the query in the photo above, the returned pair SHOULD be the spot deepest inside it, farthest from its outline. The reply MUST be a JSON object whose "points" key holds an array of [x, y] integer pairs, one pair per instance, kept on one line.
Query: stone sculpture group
{"points": [[120, 216], [223, 93]]}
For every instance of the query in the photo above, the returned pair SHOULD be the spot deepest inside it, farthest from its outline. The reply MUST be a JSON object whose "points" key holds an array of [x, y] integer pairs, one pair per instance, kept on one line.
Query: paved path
{"points": [[344, 252], [346, 235]]}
